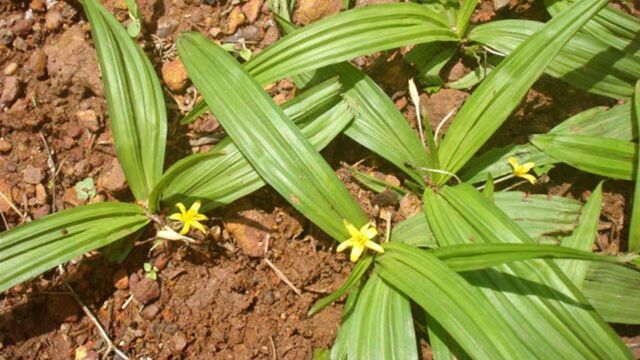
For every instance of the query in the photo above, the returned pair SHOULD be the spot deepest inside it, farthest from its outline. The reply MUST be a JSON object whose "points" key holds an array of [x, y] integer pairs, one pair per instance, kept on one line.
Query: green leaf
{"points": [[33, 248], [430, 59], [135, 101], [496, 97], [583, 237], [274, 146], [348, 35], [442, 345], [374, 183], [224, 175], [359, 269], [542, 307], [378, 325], [464, 15], [459, 307], [584, 62], [597, 155], [614, 292], [634, 229]]}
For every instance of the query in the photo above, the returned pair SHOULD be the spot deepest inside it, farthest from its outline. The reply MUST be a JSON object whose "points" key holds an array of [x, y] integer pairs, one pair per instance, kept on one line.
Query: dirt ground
{"points": [[224, 299]]}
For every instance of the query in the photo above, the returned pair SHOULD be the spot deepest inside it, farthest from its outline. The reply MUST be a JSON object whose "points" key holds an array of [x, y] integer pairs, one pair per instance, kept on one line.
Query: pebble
{"points": [[314, 10], [236, 18], [89, 120], [41, 211], [10, 69], [271, 36], [12, 87], [5, 146], [121, 279], [22, 27], [250, 229], [19, 44], [38, 6], [179, 341], [166, 26], [386, 198], [113, 178], [251, 9], [161, 261], [175, 75], [410, 205], [32, 175], [41, 194], [146, 291], [53, 20], [251, 33], [37, 63], [392, 180], [6, 36], [150, 312]]}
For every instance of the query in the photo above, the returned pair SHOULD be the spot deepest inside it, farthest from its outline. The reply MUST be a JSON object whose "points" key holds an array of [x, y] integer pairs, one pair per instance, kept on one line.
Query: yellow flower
{"points": [[359, 240], [189, 218], [522, 171]]}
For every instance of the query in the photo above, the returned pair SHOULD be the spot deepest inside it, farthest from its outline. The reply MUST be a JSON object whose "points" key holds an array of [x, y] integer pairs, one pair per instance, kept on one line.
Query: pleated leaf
{"points": [[496, 97], [634, 229], [137, 113], [542, 307], [597, 155], [348, 35], [268, 139], [33, 248], [224, 175], [614, 292], [584, 62]]}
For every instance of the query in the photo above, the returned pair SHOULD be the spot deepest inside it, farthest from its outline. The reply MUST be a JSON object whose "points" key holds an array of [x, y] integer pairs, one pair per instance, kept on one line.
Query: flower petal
{"points": [[374, 246], [195, 206], [353, 231], [344, 245], [513, 162], [356, 251], [529, 177], [199, 226], [200, 217], [180, 206], [185, 228], [176, 216], [528, 166], [370, 232]]}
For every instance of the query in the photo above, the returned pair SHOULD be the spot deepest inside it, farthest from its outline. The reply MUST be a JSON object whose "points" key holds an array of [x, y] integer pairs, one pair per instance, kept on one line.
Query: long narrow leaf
{"points": [[31, 249], [134, 97], [496, 97], [273, 145], [614, 292], [634, 230]]}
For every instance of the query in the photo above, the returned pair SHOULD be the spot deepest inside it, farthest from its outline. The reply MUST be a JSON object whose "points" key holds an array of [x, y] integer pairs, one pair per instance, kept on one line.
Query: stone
{"points": [[32, 175], [41, 195], [88, 119], [22, 27], [38, 6], [313, 10], [146, 291], [37, 63], [235, 19], [271, 36], [53, 20], [441, 104], [5, 189], [251, 9], [392, 180], [251, 33], [6, 36], [499, 4], [179, 341], [166, 26], [113, 179], [12, 88], [70, 197], [410, 205], [386, 198], [121, 279], [150, 312], [161, 261], [5, 146], [175, 76], [10, 69], [250, 229], [41, 211], [19, 44]]}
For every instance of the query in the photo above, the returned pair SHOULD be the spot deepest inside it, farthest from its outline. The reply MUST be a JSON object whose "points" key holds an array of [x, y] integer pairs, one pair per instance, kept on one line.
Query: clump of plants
{"points": [[493, 274]]}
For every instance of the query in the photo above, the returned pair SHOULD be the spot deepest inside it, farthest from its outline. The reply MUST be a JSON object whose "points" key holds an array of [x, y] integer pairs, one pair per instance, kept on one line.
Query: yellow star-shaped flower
{"points": [[522, 170], [189, 218], [359, 240]]}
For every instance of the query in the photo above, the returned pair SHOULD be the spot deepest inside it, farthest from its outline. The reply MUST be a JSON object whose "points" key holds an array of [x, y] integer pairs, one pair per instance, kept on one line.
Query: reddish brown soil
{"points": [[221, 299]]}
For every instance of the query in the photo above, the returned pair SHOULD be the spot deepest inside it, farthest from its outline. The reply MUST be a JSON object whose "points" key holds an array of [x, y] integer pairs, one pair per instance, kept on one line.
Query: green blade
{"points": [[583, 237], [614, 292], [597, 155], [33, 248], [273, 145], [542, 307], [136, 105], [634, 230], [348, 35], [584, 62], [496, 97]]}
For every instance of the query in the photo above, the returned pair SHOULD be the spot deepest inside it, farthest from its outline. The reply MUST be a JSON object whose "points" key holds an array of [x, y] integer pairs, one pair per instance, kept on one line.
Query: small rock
{"points": [[121, 279], [250, 229], [32, 175], [134, 279], [37, 63], [12, 88], [386, 198], [214, 31], [179, 341], [499, 4], [271, 36], [71, 197], [138, 333], [236, 18], [83, 353], [410, 205], [41, 211], [175, 75], [10, 69], [440, 104], [457, 71], [251, 9], [89, 120], [6, 36], [161, 261], [38, 6], [314, 10], [392, 180], [166, 26], [251, 33], [53, 20], [113, 178], [41, 195], [22, 27], [5, 188], [19, 44], [5, 146], [207, 125], [146, 291], [150, 312]]}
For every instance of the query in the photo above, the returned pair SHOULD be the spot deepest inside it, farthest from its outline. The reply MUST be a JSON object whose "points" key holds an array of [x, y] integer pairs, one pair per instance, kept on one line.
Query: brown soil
{"points": [[222, 299]]}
